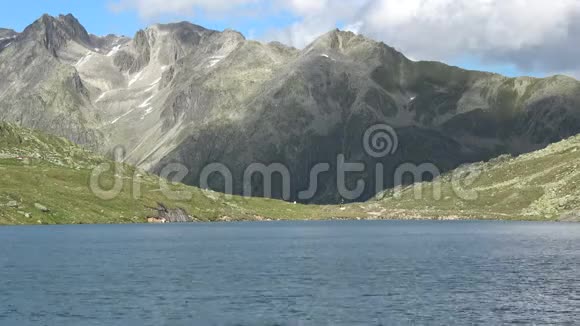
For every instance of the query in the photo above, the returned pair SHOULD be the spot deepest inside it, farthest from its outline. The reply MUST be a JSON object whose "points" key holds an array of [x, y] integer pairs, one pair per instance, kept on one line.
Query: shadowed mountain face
{"points": [[180, 93]]}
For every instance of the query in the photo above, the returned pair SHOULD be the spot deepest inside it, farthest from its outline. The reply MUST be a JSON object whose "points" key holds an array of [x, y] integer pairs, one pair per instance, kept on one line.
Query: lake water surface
{"points": [[291, 273]]}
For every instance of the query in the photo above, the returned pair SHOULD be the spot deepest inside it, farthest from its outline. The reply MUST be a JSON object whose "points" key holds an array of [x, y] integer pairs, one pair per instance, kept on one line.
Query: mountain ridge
{"points": [[180, 93]]}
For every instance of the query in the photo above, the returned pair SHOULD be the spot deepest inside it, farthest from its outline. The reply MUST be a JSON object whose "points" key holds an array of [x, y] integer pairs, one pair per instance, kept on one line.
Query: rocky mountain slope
{"points": [[183, 93], [6, 37]]}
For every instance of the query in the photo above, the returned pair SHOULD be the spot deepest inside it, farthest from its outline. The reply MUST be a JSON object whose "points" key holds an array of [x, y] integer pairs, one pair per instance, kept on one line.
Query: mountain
{"points": [[38, 89], [180, 93]]}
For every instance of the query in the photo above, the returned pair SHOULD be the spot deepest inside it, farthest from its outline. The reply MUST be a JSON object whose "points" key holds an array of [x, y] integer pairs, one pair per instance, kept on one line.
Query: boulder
{"points": [[41, 208], [27, 215], [12, 204]]}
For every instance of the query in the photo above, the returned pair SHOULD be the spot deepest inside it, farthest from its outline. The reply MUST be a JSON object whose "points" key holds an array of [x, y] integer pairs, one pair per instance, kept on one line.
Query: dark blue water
{"points": [[291, 273]]}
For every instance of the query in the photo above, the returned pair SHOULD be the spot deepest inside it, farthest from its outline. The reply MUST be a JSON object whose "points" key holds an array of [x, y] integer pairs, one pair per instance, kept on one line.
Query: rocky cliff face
{"points": [[7, 36], [39, 89], [182, 93]]}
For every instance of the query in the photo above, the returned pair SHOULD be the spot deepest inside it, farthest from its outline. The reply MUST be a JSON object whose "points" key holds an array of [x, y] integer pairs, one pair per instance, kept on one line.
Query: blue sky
{"points": [[93, 14], [98, 17], [298, 21]]}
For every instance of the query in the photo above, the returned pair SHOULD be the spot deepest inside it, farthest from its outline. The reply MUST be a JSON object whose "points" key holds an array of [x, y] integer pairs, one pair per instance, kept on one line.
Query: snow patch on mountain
{"points": [[84, 59], [147, 102], [135, 78], [114, 50], [122, 116], [147, 112], [101, 96], [215, 60]]}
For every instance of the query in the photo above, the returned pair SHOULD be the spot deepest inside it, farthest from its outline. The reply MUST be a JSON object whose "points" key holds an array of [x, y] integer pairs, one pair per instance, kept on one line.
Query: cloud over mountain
{"points": [[153, 8], [533, 35]]}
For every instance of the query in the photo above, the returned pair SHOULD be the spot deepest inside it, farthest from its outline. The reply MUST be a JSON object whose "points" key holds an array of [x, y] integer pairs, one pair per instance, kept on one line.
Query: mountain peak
{"points": [[356, 45], [47, 19], [335, 39], [340, 40], [183, 25], [184, 32], [55, 32], [70, 20]]}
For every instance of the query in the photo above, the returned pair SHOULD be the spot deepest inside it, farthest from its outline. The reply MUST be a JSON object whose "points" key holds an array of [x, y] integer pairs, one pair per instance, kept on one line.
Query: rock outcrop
{"points": [[170, 215]]}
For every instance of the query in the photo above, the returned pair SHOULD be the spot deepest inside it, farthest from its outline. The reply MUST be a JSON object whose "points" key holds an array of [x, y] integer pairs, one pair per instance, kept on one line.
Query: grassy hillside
{"points": [[46, 180], [39, 171], [541, 185]]}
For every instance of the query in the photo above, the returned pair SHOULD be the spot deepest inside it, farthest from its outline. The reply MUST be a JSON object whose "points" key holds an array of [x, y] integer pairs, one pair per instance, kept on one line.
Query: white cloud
{"points": [[533, 35], [354, 27], [450, 25], [153, 8], [302, 33], [307, 7], [319, 19]]}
